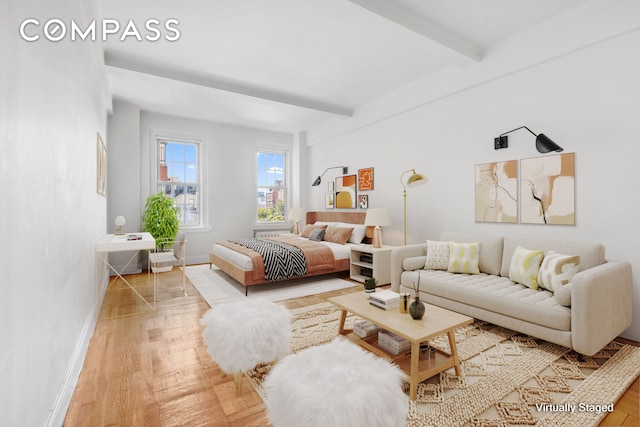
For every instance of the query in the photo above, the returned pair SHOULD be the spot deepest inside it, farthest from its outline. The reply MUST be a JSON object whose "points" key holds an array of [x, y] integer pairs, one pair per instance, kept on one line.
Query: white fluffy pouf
{"points": [[336, 384], [242, 334]]}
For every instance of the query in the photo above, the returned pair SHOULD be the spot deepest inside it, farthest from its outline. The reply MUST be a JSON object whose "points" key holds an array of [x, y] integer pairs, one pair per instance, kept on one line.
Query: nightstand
{"points": [[367, 261]]}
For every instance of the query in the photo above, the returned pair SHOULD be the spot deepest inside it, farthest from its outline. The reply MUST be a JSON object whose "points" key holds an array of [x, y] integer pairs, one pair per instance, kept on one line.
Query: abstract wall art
{"points": [[497, 192], [346, 191], [365, 179], [547, 190]]}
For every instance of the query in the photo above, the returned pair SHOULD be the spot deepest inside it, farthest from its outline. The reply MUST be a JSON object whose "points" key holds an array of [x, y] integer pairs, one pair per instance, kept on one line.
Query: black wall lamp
{"points": [[544, 144], [345, 170]]}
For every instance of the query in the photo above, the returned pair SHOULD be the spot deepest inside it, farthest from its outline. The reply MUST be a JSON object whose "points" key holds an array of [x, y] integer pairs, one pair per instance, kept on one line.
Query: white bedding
{"points": [[339, 252]]}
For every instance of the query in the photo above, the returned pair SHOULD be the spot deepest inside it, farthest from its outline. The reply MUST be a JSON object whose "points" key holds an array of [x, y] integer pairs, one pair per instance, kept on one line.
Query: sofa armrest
{"points": [[601, 305], [398, 254]]}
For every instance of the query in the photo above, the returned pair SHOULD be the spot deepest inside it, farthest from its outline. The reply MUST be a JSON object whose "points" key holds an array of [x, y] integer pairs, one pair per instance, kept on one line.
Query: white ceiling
{"points": [[289, 65]]}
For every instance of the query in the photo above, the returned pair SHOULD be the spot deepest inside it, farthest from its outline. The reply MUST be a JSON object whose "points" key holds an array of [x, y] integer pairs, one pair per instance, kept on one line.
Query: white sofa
{"points": [[600, 293]]}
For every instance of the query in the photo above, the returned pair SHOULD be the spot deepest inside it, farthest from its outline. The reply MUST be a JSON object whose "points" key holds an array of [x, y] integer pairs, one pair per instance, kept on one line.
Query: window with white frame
{"points": [[272, 190], [179, 178]]}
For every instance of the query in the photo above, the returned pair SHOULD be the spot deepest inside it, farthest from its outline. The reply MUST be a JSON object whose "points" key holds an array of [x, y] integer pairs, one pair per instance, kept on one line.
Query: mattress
{"points": [[340, 252]]}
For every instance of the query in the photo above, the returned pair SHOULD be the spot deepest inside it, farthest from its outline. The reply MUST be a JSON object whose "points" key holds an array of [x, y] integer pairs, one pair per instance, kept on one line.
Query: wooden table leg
{"points": [[454, 352], [343, 318], [413, 372]]}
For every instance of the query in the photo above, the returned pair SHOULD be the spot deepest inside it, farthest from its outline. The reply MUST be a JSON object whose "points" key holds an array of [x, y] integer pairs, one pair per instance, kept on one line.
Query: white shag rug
{"points": [[217, 287]]}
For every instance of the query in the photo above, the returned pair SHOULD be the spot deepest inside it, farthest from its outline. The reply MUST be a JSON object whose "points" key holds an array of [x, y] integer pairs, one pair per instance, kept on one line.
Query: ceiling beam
{"points": [[470, 52], [126, 62]]}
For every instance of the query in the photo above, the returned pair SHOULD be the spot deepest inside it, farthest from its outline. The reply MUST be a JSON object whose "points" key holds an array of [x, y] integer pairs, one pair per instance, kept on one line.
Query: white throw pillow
{"points": [[557, 270], [525, 265], [437, 255], [358, 233]]}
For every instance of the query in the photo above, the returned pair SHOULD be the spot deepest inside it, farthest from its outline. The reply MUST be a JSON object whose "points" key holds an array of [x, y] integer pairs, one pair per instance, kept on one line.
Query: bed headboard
{"points": [[341, 216]]}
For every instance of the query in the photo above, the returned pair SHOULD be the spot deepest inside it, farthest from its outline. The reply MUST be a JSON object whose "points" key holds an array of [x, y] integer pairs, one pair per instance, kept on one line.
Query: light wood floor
{"points": [[152, 369]]}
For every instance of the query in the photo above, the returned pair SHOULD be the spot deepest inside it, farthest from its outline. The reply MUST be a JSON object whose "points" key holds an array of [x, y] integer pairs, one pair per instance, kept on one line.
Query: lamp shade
{"points": [[120, 221], [544, 144], [378, 216], [296, 214], [416, 180]]}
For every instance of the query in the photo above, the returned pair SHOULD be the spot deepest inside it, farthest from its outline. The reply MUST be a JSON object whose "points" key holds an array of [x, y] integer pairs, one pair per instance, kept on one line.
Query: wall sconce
{"points": [[345, 170], [120, 223], [376, 218], [296, 214], [415, 180], [544, 144]]}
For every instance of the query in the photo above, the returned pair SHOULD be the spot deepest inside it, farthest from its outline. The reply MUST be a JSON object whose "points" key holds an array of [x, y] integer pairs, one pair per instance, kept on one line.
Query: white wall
{"points": [[228, 165], [51, 108], [585, 99]]}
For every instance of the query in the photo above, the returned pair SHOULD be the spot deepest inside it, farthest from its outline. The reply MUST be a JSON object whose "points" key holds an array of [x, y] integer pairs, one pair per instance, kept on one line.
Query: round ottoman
{"points": [[240, 335], [336, 384]]}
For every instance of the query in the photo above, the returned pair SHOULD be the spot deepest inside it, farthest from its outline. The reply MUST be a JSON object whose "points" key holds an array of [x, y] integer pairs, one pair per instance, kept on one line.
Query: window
{"points": [[178, 178], [272, 185]]}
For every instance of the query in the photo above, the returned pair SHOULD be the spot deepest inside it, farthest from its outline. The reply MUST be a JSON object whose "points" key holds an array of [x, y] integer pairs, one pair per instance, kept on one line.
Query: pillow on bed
{"points": [[317, 234], [309, 228], [337, 234], [358, 233]]}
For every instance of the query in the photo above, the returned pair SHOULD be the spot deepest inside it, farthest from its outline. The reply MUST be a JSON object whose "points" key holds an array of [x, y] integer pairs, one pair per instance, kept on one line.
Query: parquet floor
{"points": [[152, 369]]}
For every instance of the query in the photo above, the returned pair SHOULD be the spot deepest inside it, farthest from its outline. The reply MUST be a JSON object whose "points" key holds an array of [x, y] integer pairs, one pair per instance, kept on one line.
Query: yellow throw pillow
{"points": [[524, 267], [464, 258]]}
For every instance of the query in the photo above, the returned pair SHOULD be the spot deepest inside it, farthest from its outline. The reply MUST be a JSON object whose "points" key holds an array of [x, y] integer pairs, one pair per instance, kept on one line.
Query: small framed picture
{"points": [[328, 201], [330, 187], [365, 179], [363, 201]]}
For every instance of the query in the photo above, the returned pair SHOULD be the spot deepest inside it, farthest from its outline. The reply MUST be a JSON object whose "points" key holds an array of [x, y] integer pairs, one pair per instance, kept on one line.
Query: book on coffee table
{"points": [[387, 300]]}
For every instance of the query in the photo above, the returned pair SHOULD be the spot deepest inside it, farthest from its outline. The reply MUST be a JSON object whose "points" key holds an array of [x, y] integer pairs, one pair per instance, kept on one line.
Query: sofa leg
{"points": [[580, 357]]}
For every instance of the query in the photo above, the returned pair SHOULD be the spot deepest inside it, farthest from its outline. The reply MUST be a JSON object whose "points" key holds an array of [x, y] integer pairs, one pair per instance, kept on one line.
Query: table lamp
{"points": [[376, 218], [120, 223], [296, 214]]}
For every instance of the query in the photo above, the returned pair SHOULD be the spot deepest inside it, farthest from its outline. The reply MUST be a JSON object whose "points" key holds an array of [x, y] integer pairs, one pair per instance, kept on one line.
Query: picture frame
{"points": [[346, 192], [363, 201], [331, 186], [365, 179], [329, 201], [497, 192], [101, 166]]}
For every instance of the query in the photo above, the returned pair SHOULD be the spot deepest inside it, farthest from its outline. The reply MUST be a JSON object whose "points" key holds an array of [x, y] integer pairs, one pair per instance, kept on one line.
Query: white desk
{"points": [[123, 243]]}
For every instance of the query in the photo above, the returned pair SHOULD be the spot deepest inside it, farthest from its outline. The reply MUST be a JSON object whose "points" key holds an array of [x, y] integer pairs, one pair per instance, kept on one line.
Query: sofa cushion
{"points": [[563, 295], [591, 254], [525, 266], [557, 270], [493, 293], [437, 255], [414, 263], [490, 249], [464, 257]]}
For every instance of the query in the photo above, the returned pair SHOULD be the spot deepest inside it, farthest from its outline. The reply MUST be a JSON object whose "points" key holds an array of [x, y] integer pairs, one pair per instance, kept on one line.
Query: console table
{"points": [[130, 242]]}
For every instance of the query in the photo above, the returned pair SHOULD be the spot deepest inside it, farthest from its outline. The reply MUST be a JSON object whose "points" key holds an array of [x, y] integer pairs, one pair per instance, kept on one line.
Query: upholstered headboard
{"points": [[341, 216]]}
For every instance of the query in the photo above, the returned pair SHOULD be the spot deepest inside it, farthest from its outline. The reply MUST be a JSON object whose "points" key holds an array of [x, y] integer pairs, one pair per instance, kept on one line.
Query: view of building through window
{"points": [[272, 186], [178, 178]]}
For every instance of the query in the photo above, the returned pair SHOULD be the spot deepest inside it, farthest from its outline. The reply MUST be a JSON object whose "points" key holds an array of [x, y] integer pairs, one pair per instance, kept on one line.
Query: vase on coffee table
{"points": [[416, 308]]}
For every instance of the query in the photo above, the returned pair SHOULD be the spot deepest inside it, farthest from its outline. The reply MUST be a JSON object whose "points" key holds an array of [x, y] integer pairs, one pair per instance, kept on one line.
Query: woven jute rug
{"points": [[507, 379]]}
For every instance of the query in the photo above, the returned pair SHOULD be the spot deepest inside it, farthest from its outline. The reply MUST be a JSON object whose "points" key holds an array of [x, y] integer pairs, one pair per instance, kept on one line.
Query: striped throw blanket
{"points": [[281, 261]]}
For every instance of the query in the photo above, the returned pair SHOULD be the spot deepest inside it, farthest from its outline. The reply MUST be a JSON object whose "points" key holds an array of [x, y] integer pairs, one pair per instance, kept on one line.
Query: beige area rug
{"points": [[507, 379], [217, 287]]}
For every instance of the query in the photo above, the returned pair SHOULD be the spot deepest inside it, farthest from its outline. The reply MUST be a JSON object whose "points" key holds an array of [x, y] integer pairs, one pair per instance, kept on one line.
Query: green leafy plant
{"points": [[161, 217], [370, 284]]}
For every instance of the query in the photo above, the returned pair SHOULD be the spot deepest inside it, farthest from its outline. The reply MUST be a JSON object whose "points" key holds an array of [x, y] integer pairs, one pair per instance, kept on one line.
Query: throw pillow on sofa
{"points": [[464, 258], [437, 255], [525, 265], [557, 270]]}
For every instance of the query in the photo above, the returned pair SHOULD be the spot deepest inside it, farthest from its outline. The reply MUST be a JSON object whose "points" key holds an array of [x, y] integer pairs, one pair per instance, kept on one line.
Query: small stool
{"points": [[336, 384], [241, 335]]}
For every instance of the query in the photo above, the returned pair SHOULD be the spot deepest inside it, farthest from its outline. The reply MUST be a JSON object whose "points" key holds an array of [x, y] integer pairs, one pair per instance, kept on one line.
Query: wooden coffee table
{"points": [[436, 321]]}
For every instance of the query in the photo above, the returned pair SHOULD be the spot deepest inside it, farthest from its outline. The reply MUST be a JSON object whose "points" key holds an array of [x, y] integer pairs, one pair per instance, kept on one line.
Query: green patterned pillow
{"points": [[464, 258], [557, 270], [524, 267]]}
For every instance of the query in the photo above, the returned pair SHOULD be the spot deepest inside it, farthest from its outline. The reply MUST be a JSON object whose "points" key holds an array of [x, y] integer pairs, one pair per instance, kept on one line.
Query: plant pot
{"points": [[416, 308], [369, 291]]}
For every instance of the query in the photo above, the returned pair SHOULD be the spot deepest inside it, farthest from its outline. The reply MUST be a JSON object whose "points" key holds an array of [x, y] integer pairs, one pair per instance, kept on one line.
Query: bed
{"points": [[243, 263]]}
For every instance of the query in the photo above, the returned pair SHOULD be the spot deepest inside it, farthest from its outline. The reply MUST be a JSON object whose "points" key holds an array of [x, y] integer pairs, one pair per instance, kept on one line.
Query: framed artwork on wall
{"points": [[329, 201], [497, 192], [346, 192], [547, 190], [101, 167], [363, 201], [330, 187], [365, 179]]}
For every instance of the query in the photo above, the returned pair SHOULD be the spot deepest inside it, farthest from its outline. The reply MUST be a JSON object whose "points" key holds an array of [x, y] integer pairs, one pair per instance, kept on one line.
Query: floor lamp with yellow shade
{"points": [[415, 180]]}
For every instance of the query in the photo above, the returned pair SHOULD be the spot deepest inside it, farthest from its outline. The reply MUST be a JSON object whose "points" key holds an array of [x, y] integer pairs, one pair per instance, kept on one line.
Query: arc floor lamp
{"points": [[415, 180]]}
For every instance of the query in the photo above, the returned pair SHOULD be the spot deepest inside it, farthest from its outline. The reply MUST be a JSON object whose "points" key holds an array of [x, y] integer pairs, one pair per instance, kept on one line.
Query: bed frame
{"points": [[246, 276]]}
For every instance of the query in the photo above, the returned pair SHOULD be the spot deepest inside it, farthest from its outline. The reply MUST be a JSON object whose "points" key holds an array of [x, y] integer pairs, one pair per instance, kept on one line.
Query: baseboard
{"points": [[60, 407]]}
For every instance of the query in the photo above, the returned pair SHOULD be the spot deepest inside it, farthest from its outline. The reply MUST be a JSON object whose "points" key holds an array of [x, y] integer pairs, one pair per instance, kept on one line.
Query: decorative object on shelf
{"points": [[497, 192], [416, 308], [120, 223], [544, 144], [346, 192], [547, 190], [101, 167], [345, 170], [161, 218], [329, 200], [376, 218], [370, 284], [415, 180], [296, 214], [365, 179], [363, 201]]}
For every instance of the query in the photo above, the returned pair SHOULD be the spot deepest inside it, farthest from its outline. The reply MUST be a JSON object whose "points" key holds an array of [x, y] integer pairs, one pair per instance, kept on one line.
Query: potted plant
{"points": [[161, 218], [370, 284]]}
